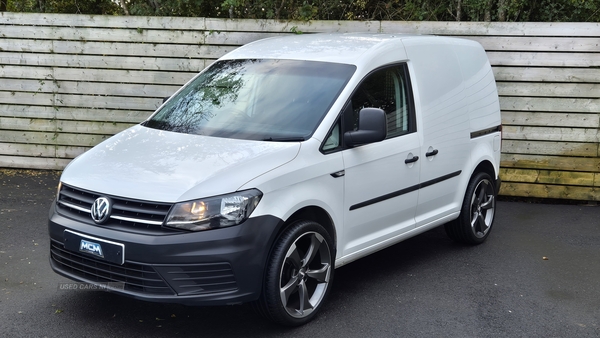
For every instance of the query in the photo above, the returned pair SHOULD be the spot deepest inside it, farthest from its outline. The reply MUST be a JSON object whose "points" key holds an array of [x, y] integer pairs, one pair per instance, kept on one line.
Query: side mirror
{"points": [[372, 127]]}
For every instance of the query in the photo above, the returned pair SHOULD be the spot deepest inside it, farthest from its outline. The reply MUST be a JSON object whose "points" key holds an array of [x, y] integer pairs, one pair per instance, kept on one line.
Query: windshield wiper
{"points": [[285, 139]]}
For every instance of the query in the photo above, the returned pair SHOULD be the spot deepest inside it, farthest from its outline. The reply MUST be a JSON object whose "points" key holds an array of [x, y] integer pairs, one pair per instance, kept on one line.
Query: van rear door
{"points": [[444, 126]]}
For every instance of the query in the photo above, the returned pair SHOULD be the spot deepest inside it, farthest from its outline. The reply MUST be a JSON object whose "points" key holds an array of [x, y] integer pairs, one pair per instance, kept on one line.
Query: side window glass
{"points": [[333, 140], [386, 89]]}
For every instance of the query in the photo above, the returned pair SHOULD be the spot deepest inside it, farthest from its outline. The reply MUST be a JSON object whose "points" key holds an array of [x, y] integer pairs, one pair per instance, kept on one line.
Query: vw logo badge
{"points": [[101, 210]]}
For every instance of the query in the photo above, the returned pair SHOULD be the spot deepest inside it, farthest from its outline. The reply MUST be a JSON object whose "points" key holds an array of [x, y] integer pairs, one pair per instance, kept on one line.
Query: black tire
{"points": [[299, 275], [477, 213]]}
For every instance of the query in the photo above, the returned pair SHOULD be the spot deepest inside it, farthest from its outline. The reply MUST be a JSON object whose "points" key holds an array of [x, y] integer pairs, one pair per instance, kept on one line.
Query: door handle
{"points": [[432, 153], [411, 160], [338, 174]]}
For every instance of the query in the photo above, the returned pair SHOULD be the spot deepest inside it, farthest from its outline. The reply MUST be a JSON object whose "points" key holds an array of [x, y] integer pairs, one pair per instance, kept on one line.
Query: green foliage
{"points": [[569, 10], [307, 11], [171, 7], [64, 6], [475, 10], [408, 10]]}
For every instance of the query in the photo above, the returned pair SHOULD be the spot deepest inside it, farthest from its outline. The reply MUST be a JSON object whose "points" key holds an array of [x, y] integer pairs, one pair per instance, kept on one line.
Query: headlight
{"points": [[214, 212]]}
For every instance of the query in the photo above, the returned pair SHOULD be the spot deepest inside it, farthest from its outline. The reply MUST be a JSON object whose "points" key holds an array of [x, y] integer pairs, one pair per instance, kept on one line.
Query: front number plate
{"points": [[91, 246]]}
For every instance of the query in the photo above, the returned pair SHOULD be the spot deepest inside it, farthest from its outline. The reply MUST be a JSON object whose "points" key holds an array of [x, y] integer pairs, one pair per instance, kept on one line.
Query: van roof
{"points": [[330, 47]]}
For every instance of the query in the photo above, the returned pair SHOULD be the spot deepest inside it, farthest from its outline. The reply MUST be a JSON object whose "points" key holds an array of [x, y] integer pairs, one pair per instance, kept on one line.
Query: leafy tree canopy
{"points": [[64, 6], [417, 10]]}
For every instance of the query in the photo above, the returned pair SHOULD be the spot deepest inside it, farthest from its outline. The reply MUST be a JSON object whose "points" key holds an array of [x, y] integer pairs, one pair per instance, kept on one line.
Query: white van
{"points": [[283, 160]]}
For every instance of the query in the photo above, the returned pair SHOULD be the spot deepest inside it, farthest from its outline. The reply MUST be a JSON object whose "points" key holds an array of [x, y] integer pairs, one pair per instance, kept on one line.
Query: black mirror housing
{"points": [[372, 127]]}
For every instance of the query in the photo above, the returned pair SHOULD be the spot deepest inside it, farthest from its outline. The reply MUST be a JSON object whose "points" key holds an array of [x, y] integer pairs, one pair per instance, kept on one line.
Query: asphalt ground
{"points": [[537, 275]]}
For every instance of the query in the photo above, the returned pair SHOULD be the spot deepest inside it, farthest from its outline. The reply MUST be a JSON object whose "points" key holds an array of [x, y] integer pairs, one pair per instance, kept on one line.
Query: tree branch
{"points": [[124, 6]]}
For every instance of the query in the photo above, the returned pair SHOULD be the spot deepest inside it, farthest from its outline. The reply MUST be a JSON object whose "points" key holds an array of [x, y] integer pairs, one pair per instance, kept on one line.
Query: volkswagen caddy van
{"points": [[283, 160]]}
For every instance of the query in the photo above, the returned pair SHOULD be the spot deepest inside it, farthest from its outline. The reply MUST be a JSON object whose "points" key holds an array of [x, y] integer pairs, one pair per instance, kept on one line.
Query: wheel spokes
{"points": [[312, 251], [320, 275], [483, 204], [489, 203], [289, 289], [475, 217], [293, 257], [305, 274], [304, 298], [481, 226]]}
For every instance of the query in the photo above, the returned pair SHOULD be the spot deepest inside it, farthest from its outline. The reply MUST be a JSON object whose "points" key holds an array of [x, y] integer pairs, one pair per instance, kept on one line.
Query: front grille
{"points": [[77, 203], [193, 279], [183, 280], [140, 278]]}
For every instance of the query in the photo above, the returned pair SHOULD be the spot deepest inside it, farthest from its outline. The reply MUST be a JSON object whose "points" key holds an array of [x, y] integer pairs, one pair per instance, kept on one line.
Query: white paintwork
{"points": [[340, 48], [454, 93], [375, 170], [161, 166], [457, 96]]}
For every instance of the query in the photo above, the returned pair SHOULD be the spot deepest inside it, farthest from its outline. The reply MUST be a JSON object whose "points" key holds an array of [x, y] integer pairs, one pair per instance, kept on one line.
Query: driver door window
{"points": [[386, 89]]}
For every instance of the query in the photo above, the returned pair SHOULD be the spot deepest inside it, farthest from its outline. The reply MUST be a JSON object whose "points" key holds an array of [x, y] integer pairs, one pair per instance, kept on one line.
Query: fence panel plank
{"points": [[492, 28], [575, 90], [75, 114], [549, 177], [81, 20], [104, 34], [23, 162], [56, 138], [550, 104], [198, 51], [520, 118], [540, 59], [545, 74], [123, 76], [103, 62], [40, 150], [109, 102], [75, 87], [38, 99], [550, 134], [582, 164], [538, 44], [573, 149], [65, 126]]}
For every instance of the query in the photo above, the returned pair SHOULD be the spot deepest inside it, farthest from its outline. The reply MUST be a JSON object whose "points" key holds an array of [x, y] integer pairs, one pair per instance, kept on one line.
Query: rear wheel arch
{"points": [[486, 167]]}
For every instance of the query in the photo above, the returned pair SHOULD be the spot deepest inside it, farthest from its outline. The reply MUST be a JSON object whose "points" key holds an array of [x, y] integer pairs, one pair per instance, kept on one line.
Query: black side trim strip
{"points": [[385, 197], [483, 132], [439, 179], [405, 190]]}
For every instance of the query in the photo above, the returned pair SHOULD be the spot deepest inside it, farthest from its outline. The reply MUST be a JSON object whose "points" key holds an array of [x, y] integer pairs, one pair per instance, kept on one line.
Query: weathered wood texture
{"points": [[68, 82]]}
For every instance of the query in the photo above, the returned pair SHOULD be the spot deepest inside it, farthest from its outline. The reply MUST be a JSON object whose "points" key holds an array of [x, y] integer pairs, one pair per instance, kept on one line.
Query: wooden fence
{"points": [[68, 82]]}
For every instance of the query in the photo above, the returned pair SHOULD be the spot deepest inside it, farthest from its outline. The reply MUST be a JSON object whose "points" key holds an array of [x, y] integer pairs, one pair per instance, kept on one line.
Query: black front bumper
{"points": [[214, 267]]}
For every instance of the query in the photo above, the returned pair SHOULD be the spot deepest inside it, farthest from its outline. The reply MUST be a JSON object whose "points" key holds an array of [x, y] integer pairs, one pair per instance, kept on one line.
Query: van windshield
{"points": [[270, 100]]}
